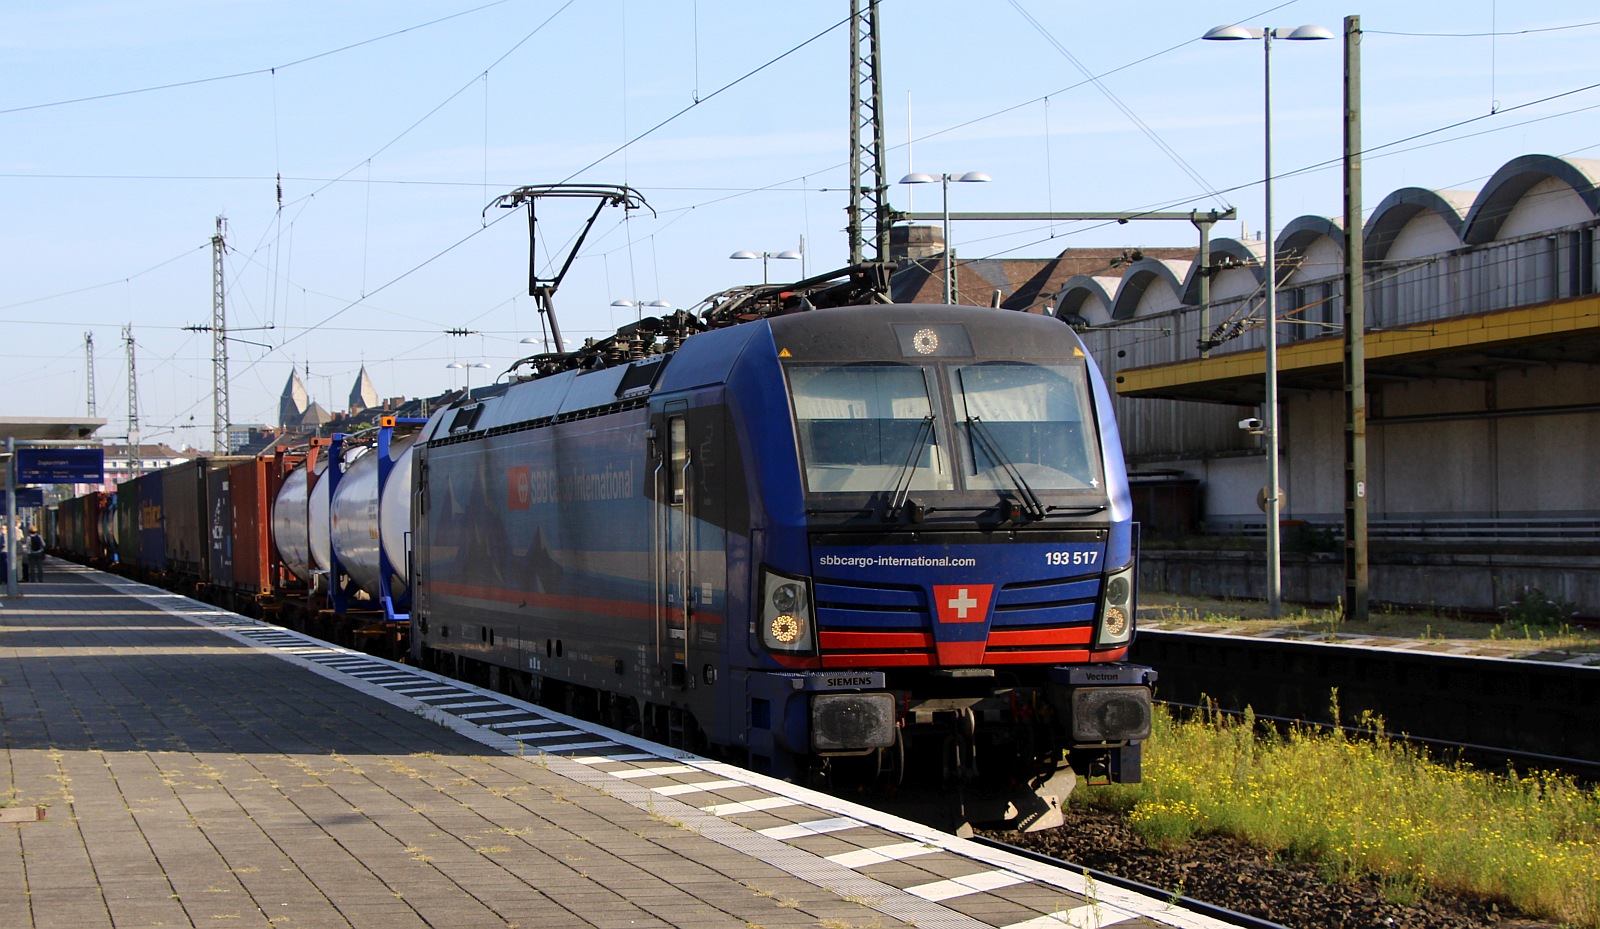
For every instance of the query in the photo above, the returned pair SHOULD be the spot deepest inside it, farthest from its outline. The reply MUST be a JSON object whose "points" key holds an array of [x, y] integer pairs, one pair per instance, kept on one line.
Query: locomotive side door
{"points": [[417, 541], [673, 541]]}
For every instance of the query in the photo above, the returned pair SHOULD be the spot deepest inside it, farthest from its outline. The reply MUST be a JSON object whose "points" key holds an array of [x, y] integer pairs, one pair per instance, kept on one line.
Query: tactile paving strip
{"points": [[900, 868]]}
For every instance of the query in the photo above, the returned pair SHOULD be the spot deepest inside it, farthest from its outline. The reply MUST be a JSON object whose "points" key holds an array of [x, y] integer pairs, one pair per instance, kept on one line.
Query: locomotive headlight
{"points": [[1115, 624], [788, 597], [785, 628], [786, 620]]}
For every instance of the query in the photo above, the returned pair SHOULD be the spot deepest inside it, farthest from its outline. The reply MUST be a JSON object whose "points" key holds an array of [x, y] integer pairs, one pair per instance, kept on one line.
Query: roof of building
{"points": [[315, 415], [158, 450], [1022, 283], [44, 428]]}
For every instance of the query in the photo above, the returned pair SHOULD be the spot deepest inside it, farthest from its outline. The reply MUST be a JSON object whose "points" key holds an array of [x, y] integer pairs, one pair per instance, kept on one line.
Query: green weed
{"points": [[1376, 807]]}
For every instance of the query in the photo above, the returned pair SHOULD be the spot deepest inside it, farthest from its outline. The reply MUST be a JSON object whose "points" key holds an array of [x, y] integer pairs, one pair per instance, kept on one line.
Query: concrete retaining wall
{"points": [[1479, 583]]}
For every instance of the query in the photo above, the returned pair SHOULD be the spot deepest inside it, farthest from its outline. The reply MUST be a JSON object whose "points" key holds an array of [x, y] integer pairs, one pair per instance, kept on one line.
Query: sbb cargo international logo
{"points": [[519, 487]]}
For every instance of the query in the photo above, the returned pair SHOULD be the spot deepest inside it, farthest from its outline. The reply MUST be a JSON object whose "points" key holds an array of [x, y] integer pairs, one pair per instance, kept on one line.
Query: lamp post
{"points": [[971, 177], [787, 254], [639, 306], [1269, 413], [467, 366]]}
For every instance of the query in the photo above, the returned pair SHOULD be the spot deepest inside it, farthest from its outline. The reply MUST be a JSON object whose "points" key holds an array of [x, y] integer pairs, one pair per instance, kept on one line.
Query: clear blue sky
{"points": [[389, 150]]}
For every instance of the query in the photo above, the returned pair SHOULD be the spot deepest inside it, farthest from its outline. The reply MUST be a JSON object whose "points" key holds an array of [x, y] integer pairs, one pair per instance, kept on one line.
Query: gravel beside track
{"points": [[1229, 873]]}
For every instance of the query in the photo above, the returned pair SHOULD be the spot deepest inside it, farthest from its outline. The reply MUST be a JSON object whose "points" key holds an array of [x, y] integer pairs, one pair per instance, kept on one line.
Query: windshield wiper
{"points": [[904, 478], [1031, 504]]}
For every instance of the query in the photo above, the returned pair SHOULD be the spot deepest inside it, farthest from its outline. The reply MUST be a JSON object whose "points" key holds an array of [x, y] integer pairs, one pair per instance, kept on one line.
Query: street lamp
{"points": [[1273, 496], [787, 254], [639, 306], [467, 366], [971, 177]]}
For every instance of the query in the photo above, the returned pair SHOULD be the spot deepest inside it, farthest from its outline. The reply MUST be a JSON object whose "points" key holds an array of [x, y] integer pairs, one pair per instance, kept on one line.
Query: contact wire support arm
{"points": [[543, 289]]}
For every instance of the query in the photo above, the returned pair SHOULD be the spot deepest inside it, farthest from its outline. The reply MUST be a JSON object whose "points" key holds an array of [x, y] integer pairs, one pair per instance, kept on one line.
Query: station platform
{"points": [[199, 768]]}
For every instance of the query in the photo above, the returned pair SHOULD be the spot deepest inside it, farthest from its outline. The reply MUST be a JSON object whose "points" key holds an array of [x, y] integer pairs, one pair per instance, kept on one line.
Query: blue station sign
{"points": [[26, 497], [60, 465]]}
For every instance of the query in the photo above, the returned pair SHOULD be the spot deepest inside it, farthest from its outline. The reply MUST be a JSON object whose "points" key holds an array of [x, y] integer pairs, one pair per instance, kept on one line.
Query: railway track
{"points": [[1221, 913], [1494, 713], [926, 804], [1490, 710], [1487, 757]]}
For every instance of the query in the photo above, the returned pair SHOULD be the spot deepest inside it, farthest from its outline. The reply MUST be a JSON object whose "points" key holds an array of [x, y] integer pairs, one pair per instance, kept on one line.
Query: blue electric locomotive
{"points": [[858, 532]]}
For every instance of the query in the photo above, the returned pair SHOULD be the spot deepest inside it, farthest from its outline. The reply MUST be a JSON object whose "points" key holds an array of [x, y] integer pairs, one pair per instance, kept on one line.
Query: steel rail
{"points": [[1221, 913]]}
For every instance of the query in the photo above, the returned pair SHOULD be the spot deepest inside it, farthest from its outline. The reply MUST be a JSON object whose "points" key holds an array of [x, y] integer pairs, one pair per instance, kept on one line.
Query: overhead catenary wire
{"points": [[700, 100], [251, 73], [623, 228], [114, 281], [1481, 35], [437, 107], [634, 140], [1373, 151], [776, 185], [1116, 101], [367, 161]]}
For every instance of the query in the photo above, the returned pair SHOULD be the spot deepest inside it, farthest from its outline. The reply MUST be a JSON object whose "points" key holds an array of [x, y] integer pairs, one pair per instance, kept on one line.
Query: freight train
{"points": [[851, 538]]}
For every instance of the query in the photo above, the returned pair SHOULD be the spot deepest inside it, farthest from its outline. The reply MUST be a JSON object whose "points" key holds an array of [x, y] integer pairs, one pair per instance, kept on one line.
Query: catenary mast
{"points": [[219, 343], [135, 454], [88, 365], [869, 190]]}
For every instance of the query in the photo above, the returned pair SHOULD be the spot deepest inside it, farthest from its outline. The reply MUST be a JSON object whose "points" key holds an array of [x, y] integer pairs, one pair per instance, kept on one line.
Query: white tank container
{"points": [[361, 519], [302, 543]]}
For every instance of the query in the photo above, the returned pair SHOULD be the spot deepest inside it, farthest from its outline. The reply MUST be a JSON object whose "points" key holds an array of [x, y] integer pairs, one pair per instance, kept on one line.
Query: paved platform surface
{"points": [[202, 769]]}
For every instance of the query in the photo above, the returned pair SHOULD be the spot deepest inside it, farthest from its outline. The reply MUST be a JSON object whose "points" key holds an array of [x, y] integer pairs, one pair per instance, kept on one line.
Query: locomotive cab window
{"points": [[1034, 418], [862, 426]]}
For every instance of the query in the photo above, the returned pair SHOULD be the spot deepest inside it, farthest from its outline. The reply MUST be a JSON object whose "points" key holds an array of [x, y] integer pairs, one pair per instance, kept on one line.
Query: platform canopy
{"points": [[49, 428], [1463, 348]]}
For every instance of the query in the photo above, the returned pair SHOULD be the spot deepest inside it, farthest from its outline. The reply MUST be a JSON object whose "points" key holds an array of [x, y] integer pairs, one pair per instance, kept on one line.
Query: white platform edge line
{"points": [[1146, 906]]}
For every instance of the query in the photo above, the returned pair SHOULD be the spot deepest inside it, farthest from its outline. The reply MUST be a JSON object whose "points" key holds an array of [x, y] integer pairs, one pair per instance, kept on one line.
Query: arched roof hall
{"points": [[1526, 195]]}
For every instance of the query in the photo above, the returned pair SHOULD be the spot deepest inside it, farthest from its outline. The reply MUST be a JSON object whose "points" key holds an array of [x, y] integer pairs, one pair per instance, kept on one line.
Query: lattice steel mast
{"points": [[88, 359], [219, 343], [869, 190], [135, 456]]}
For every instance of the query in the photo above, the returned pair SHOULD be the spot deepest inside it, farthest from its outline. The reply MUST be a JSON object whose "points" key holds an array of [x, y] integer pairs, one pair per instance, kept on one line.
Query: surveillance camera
{"points": [[1251, 424]]}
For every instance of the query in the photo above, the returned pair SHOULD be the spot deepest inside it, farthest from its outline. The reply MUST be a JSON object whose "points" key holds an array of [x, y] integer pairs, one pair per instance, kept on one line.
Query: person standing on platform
{"points": [[35, 556]]}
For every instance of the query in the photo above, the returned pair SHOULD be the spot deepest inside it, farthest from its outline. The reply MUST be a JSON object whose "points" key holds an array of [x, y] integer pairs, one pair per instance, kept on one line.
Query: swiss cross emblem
{"points": [[962, 603], [519, 487]]}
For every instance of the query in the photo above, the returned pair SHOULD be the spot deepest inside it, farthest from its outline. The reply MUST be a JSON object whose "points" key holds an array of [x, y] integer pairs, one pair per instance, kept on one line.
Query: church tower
{"points": [[292, 406], [363, 396]]}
